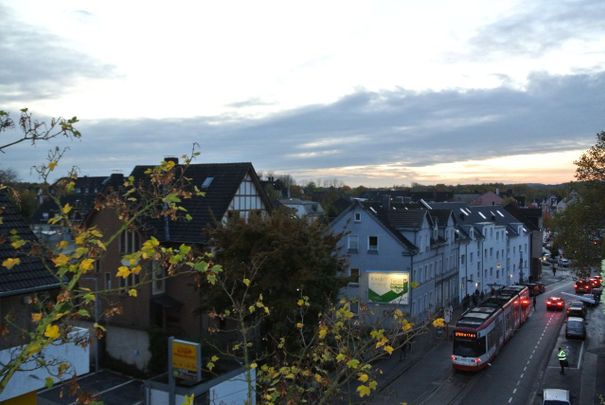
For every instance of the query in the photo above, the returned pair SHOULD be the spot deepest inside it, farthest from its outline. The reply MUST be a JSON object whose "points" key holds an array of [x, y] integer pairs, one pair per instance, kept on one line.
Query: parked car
{"points": [[555, 304], [593, 297], [575, 328], [545, 263], [555, 396], [563, 262], [577, 309]]}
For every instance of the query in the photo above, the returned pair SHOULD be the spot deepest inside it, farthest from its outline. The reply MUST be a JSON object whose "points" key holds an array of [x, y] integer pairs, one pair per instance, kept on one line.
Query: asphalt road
{"points": [[515, 374]]}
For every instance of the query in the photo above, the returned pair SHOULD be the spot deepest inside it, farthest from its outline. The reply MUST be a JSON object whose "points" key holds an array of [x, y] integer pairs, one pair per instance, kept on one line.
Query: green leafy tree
{"points": [[290, 257]]}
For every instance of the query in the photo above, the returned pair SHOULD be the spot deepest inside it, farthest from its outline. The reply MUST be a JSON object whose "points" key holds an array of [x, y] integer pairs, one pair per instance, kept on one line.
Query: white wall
{"points": [[129, 345], [24, 382]]}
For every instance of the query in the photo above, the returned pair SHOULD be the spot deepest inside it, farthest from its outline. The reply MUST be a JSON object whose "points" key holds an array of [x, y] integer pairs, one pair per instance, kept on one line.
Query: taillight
{"points": [[548, 302], [453, 357], [477, 360], [560, 304], [575, 285]]}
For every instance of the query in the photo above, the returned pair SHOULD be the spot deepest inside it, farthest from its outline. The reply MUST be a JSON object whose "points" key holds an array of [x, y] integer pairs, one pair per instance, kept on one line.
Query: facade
{"points": [[19, 287], [398, 258], [169, 305]]}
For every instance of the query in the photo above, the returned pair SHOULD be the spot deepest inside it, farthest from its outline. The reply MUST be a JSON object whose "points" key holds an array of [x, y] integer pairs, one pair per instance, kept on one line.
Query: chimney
{"points": [[386, 202], [497, 191], [171, 159]]}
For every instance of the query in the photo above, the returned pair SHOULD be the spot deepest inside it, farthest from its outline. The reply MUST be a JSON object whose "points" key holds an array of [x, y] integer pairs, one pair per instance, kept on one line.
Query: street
{"points": [[525, 365]]}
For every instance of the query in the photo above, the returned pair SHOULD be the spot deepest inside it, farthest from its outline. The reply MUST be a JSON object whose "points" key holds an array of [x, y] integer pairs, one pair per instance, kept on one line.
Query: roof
{"points": [[206, 210], [30, 275], [82, 200]]}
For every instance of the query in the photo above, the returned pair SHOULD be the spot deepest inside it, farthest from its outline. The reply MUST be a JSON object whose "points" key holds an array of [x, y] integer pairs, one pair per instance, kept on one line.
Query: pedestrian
{"points": [[562, 356]]}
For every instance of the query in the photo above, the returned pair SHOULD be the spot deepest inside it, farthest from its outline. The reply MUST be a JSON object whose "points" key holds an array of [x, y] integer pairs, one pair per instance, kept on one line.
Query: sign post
{"points": [[184, 362]]}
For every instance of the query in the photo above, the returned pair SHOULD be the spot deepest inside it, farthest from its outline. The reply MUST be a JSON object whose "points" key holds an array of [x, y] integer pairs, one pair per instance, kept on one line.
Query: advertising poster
{"points": [[389, 287]]}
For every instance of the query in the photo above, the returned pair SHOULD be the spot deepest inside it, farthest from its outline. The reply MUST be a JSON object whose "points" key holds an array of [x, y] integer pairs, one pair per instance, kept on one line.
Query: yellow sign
{"points": [[185, 355]]}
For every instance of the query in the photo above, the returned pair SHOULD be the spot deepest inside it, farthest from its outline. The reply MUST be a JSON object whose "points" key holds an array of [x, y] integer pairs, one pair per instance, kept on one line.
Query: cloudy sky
{"points": [[375, 93]]}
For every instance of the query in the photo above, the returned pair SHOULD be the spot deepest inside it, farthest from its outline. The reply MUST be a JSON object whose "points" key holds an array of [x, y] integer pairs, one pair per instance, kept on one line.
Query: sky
{"points": [[374, 93]]}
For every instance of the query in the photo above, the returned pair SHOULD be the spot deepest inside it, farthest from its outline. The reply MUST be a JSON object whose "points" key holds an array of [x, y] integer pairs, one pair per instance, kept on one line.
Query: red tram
{"points": [[483, 330]]}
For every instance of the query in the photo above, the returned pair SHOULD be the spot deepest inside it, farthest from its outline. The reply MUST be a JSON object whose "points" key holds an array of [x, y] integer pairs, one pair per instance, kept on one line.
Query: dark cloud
{"points": [[399, 128], [35, 64], [540, 25]]}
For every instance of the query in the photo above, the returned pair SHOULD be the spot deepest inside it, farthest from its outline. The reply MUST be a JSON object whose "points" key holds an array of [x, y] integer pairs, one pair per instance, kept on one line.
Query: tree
{"points": [[591, 165], [290, 258], [580, 226], [35, 131]]}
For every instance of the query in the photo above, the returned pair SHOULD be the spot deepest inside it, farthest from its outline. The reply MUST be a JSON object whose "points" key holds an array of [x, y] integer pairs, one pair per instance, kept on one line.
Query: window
{"points": [[355, 275], [491, 271], [373, 243], [497, 235], [358, 217], [497, 273], [485, 253], [471, 258], [353, 242], [158, 282], [491, 252], [207, 182], [97, 266], [108, 281], [497, 254], [462, 259], [129, 242]]}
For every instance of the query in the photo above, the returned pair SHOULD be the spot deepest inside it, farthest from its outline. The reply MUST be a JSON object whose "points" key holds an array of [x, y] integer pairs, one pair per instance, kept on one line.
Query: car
{"points": [[575, 328], [595, 282], [593, 297], [555, 396], [545, 263], [583, 286], [577, 309], [535, 288], [563, 262], [555, 303]]}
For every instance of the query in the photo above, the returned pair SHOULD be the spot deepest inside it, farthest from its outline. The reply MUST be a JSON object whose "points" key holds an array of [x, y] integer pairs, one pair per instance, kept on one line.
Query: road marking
{"points": [[581, 350], [531, 356], [514, 391], [510, 400], [525, 369], [522, 374], [518, 382]]}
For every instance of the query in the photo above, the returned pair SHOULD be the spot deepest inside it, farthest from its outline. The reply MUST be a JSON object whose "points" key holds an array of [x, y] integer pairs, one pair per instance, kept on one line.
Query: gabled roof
{"points": [[442, 215], [378, 214], [405, 218], [206, 210], [30, 275]]}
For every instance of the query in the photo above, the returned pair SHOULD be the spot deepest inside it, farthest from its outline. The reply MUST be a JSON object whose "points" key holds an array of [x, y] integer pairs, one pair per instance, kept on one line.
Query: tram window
{"points": [[469, 348]]}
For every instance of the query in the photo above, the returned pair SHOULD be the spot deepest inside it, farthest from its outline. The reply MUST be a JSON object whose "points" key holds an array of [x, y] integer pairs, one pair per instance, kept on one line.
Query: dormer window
{"points": [[357, 217]]}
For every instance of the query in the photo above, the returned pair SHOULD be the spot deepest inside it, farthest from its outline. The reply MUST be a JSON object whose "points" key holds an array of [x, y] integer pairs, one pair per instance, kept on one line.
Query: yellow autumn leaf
{"points": [[66, 209], [18, 244], [63, 244], [133, 292], [52, 165], [300, 302], [11, 262], [86, 265], [246, 282], [52, 332], [299, 325], [388, 349], [36, 316], [363, 390], [60, 260], [123, 272], [253, 365], [136, 269], [340, 357], [214, 358], [363, 377], [318, 378], [323, 331]]}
